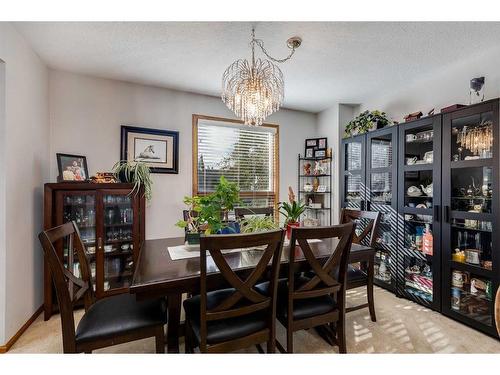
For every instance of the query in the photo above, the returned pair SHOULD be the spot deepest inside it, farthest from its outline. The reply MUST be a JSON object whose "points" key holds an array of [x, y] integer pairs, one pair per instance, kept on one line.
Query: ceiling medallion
{"points": [[255, 89]]}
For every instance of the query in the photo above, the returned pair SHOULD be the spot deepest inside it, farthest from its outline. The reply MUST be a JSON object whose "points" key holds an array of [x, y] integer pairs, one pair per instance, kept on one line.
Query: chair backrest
{"points": [[241, 212], [327, 276], [245, 299], [69, 288], [366, 221]]}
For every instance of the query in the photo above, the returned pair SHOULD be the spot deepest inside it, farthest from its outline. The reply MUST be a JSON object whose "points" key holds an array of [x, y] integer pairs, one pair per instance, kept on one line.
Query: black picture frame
{"points": [[320, 153], [311, 142], [322, 143], [63, 164], [174, 135], [309, 152]]}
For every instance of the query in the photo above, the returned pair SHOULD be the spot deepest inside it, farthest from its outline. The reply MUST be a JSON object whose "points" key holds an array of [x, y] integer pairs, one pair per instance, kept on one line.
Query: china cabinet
{"points": [[419, 200], [315, 190], [471, 256], [369, 180], [111, 223]]}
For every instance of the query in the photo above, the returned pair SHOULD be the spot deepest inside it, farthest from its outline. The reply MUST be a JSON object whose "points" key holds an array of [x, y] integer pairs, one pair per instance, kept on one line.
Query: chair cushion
{"points": [[120, 314], [302, 308], [223, 329], [355, 274]]}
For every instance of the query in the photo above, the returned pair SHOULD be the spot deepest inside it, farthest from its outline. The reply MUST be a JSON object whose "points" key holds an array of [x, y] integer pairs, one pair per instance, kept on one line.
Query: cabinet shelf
{"points": [[315, 175], [477, 270]]}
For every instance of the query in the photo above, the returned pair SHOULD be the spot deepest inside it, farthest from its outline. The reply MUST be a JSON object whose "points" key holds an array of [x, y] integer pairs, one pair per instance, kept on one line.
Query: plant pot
{"points": [[123, 177], [193, 238], [232, 227], [289, 227]]}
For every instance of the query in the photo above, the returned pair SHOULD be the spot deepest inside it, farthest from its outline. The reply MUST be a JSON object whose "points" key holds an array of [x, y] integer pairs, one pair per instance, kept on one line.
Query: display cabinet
{"points": [[111, 223], [470, 181], [419, 201], [368, 182], [315, 190]]}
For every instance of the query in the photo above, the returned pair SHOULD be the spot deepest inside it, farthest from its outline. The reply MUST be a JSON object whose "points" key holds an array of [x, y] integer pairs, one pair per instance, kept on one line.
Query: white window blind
{"points": [[245, 155]]}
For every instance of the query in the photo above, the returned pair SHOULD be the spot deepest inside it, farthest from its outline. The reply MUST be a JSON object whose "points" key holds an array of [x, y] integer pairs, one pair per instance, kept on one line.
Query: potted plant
{"points": [[253, 224], [292, 211], [193, 224], [365, 122], [135, 172]]}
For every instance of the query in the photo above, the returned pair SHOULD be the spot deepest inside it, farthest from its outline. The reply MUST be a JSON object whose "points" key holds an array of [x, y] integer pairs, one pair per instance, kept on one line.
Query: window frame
{"points": [[276, 177]]}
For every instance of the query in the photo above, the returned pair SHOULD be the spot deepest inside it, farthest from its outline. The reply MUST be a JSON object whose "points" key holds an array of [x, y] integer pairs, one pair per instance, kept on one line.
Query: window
{"points": [[243, 154]]}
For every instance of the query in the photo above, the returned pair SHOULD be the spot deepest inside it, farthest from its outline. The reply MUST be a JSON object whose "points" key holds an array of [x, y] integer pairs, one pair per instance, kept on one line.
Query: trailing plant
{"points": [[291, 209], [253, 224], [193, 222], [135, 172], [366, 121]]}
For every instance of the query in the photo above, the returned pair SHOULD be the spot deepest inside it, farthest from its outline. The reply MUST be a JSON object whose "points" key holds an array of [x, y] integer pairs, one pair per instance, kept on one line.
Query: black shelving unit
{"points": [[419, 273], [368, 182], [469, 286], [324, 213]]}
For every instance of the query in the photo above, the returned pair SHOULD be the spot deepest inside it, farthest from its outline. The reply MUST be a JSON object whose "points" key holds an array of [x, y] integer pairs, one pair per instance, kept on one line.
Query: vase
{"points": [[193, 238], [289, 226], [123, 177]]}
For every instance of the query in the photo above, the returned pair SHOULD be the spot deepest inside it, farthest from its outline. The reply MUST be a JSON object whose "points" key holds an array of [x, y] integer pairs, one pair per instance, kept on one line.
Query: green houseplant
{"points": [[192, 224], [292, 211], [253, 224], [135, 172], [366, 121]]}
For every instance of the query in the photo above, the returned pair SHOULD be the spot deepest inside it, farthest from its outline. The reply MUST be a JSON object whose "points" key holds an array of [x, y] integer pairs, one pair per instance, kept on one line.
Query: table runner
{"points": [[185, 252]]}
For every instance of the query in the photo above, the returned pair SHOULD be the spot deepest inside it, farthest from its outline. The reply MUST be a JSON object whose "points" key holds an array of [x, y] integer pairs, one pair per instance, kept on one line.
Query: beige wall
{"points": [[25, 163], [86, 114]]}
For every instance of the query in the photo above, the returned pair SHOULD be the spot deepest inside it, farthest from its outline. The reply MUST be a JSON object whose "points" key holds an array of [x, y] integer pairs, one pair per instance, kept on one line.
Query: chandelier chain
{"points": [[260, 43]]}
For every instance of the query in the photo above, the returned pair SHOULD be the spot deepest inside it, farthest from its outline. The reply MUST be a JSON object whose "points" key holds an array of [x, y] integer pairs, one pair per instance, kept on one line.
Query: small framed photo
{"points": [[321, 189], [72, 167], [322, 143], [309, 152], [158, 148], [312, 142], [319, 153]]}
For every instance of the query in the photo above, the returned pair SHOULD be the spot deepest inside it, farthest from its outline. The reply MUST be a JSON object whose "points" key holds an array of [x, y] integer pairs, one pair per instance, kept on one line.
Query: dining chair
{"points": [[241, 212], [106, 322], [305, 302], [239, 316], [367, 224]]}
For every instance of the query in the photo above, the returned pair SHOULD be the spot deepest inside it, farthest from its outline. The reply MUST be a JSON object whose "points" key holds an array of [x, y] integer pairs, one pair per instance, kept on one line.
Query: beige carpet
{"points": [[402, 327]]}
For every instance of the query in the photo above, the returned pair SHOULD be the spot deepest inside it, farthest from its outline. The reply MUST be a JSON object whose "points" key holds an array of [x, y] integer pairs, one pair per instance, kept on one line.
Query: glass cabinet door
{"points": [[353, 172], [381, 179], [419, 258], [116, 240], [470, 201], [79, 207]]}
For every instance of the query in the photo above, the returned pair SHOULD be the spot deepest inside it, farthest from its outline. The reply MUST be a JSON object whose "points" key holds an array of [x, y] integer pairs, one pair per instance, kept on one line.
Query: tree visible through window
{"points": [[243, 154]]}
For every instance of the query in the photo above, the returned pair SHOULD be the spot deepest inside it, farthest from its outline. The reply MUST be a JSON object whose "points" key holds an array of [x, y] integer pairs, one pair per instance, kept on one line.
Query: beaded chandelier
{"points": [[255, 89]]}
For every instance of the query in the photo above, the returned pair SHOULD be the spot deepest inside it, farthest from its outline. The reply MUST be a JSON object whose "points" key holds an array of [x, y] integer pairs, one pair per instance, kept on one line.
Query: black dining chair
{"points": [[241, 212], [110, 321], [318, 301], [239, 316], [367, 223]]}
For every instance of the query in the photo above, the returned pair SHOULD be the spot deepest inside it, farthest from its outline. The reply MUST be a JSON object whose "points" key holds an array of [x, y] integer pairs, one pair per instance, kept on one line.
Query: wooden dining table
{"points": [[157, 275]]}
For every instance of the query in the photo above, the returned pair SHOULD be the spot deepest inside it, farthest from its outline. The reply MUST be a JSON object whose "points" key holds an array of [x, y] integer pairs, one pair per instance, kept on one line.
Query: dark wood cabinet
{"points": [[369, 182], [419, 201], [470, 183], [111, 221]]}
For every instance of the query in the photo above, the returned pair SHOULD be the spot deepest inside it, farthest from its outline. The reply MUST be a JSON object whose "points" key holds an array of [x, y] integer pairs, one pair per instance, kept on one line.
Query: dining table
{"points": [[157, 275]]}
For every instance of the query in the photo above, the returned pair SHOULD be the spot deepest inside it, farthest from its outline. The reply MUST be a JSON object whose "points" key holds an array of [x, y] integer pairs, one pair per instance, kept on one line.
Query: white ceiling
{"points": [[345, 62]]}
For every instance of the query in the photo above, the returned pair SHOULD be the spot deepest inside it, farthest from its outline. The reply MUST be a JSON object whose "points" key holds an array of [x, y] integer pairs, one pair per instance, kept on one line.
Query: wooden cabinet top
{"points": [[85, 186]]}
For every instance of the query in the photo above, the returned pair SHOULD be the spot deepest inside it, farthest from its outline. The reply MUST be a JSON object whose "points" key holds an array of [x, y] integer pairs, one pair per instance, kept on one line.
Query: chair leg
{"points": [[371, 301], [289, 340], [341, 335], [271, 346], [160, 340]]}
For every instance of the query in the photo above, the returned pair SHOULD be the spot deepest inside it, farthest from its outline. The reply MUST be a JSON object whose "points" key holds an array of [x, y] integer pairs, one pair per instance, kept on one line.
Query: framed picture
{"points": [[158, 148], [319, 153], [72, 167], [309, 152], [322, 143], [321, 189], [313, 142]]}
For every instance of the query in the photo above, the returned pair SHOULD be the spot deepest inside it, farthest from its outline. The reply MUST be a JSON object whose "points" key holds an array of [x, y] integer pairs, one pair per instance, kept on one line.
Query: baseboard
{"points": [[5, 348]]}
